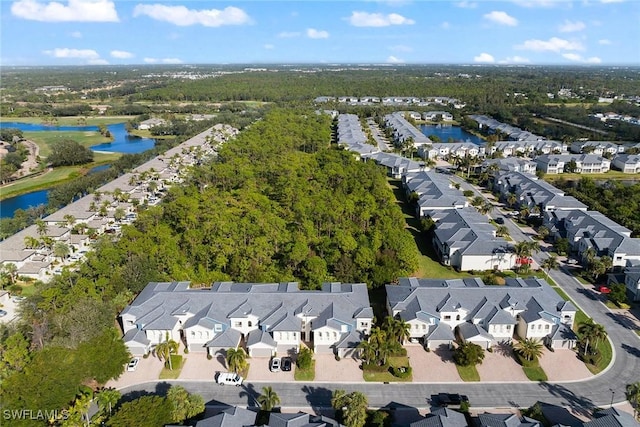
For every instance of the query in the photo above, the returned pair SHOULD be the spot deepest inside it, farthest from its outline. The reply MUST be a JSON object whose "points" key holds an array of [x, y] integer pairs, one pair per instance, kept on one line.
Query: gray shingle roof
{"points": [[230, 338]]}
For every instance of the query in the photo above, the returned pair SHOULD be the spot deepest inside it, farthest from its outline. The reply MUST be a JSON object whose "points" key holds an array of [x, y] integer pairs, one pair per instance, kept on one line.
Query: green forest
{"points": [[280, 203]]}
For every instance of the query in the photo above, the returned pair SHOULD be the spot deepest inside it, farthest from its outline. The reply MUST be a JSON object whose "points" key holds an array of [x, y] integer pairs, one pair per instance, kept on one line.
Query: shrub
{"points": [[401, 352], [337, 357], [591, 358], [524, 362], [401, 371], [305, 358], [467, 193], [15, 289], [209, 357], [146, 355], [186, 350], [373, 367]]}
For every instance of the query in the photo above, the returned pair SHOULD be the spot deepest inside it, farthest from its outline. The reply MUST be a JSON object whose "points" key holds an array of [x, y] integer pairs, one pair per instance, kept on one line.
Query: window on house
{"points": [[320, 335], [335, 335], [363, 324], [238, 325], [508, 328], [424, 327], [217, 328], [458, 317], [250, 323], [295, 335], [447, 317], [546, 327], [193, 334]]}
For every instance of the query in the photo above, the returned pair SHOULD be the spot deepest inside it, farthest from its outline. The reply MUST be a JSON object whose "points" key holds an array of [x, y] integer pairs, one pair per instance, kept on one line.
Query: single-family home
{"points": [[441, 311], [395, 164], [577, 163], [632, 279], [437, 115], [151, 123], [270, 318], [596, 147], [434, 192]]}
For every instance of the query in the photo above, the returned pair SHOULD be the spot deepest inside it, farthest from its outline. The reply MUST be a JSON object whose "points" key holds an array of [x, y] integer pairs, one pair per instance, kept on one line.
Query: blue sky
{"points": [[81, 32]]}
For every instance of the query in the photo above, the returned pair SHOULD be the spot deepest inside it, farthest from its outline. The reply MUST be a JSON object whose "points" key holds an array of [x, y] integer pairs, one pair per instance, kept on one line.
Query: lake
{"points": [[122, 142], [444, 132], [9, 206]]}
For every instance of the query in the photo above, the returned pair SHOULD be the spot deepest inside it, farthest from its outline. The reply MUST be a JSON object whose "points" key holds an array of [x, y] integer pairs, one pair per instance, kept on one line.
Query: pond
{"points": [[122, 141], [444, 132], [9, 206]]}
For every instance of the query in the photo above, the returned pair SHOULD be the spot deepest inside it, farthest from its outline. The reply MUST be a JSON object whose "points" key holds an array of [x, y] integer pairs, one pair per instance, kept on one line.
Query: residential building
{"points": [[403, 130], [632, 279], [627, 163], [442, 417], [611, 417], [591, 230], [533, 193], [441, 311], [395, 164], [506, 420], [272, 318], [511, 164], [233, 416], [465, 240], [352, 137], [513, 133], [530, 148], [448, 150], [435, 192], [437, 115], [599, 148], [581, 163], [151, 123]]}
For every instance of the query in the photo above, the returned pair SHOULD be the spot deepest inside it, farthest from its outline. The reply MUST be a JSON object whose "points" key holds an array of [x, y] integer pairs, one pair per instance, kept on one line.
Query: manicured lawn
{"points": [[606, 355], [71, 121], [468, 373], [177, 363], [428, 266], [612, 174], [305, 374], [145, 133], [45, 139], [386, 376], [535, 373], [54, 177]]}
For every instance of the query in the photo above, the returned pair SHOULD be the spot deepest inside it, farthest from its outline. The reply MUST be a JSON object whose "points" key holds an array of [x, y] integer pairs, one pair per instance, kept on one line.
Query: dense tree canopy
{"points": [[68, 152]]}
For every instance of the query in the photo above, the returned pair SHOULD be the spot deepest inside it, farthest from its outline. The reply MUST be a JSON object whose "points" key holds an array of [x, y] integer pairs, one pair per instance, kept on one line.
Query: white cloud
{"points": [[604, 42], [515, 60], [73, 11], [541, 3], [611, 1], [365, 19], [171, 61], [269, 46], [445, 25], [401, 48], [571, 26], [289, 34], [121, 54], [467, 4], [98, 62], [394, 60], [181, 16], [150, 60], [502, 18], [484, 57], [578, 58], [554, 44], [312, 33], [76, 35], [65, 52]]}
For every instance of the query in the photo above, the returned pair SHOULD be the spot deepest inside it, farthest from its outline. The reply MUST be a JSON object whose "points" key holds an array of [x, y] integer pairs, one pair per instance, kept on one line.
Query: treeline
{"points": [[614, 199], [278, 205]]}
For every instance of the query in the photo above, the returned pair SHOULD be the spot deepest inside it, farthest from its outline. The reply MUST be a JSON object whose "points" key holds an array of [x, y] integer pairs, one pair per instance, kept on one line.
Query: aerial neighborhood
{"points": [[499, 305]]}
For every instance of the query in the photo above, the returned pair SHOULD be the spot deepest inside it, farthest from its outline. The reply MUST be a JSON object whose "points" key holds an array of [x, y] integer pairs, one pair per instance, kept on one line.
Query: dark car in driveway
{"points": [[286, 364]]}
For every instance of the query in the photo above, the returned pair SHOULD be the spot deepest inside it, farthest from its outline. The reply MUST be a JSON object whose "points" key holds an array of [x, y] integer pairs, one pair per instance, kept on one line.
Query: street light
{"points": [[613, 393]]}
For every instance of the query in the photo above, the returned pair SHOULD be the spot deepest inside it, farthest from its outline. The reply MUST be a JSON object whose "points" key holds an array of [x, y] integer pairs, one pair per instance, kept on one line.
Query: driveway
{"points": [[259, 371], [148, 370], [500, 366], [197, 367], [328, 369], [434, 366], [563, 365], [11, 308]]}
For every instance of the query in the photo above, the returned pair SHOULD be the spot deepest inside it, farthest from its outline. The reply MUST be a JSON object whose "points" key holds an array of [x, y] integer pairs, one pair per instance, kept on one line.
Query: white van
{"points": [[229, 378]]}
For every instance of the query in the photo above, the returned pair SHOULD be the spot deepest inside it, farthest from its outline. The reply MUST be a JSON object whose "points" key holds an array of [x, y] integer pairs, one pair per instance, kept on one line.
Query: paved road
{"points": [[580, 395], [378, 136]]}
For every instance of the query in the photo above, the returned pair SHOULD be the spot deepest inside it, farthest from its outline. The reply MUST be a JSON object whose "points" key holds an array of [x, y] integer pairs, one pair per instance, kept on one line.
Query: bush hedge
{"points": [[401, 371]]}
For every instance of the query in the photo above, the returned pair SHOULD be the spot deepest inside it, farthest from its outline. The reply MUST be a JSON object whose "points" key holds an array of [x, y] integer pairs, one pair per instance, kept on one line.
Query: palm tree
{"points": [[355, 414], [268, 399], [512, 199], [529, 348], [31, 242], [61, 250], [236, 359], [543, 232], [591, 332], [9, 270], [107, 399], [41, 227], [502, 231], [403, 330], [69, 220], [165, 349], [589, 255], [485, 208], [477, 201], [549, 264], [367, 351], [633, 396]]}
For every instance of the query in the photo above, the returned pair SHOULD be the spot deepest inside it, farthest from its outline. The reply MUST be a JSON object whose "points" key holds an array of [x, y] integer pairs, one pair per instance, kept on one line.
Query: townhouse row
{"points": [[268, 319], [393, 100], [78, 224]]}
